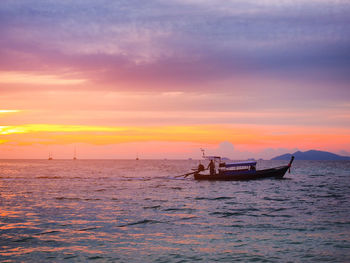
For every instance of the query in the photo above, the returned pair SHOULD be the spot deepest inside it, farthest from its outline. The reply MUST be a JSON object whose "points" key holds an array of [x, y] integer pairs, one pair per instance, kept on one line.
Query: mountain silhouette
{"points": [[311, 155]]}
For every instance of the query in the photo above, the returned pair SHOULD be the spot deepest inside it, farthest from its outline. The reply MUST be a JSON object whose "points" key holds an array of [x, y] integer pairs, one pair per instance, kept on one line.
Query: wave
{"points": [[142, 222], [126, 178], [275, 199], [95, 257], [180, 209], [24, 239], [236, 212], [216, 198], [176, 188], [275, 215], [48, 232], [228, 214], [68, 198], [88, 228], [58, 177], [316, 175], [70, 256], [189, 218], [151, 207], [272, 209], [159, 186], [49, 177]]}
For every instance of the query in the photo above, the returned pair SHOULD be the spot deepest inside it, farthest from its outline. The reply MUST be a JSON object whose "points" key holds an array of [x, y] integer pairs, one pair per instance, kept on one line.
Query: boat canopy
{"points": [[247, 163]]}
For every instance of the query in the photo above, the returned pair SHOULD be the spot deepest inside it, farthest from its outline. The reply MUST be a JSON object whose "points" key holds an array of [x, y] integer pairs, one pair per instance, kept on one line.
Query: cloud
{"points": [[225, 149], [23, 78], [172, 44]]}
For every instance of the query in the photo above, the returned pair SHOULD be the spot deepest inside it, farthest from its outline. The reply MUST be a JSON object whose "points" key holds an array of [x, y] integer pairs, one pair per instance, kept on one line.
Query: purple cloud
{"points": [[177, 44]]}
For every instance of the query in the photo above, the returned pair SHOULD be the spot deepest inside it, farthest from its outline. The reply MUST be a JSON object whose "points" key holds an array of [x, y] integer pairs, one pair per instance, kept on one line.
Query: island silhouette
{"points": [[312, 155]]}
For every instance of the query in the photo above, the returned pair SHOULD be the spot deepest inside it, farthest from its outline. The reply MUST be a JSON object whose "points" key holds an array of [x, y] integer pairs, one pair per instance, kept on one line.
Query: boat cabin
{"points": [[238, 166]]}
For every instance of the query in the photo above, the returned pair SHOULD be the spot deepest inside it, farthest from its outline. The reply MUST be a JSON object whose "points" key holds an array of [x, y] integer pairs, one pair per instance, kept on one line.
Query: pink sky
{"points": [[164, 80]]}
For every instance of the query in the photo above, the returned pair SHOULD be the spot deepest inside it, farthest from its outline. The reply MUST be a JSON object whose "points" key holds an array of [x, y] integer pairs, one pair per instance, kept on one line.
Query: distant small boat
{"points": [[50, 157], [75, 154], [240, 171], [137, 157]]}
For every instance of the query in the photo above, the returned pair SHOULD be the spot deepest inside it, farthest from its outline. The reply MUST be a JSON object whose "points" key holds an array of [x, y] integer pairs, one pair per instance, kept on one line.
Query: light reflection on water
{"points": [[138, 211]]}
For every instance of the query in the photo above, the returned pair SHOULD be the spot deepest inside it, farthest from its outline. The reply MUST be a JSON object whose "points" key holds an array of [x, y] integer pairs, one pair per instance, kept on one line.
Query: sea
{"points": [[140, 211]]}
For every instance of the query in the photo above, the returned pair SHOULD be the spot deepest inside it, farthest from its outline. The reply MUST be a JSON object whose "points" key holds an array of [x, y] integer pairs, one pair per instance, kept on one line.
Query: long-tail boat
{"points": [[239, 171]]}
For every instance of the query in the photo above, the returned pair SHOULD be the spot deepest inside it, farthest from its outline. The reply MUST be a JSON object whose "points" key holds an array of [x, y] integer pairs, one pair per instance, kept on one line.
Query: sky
{"points": [[164, 78]]}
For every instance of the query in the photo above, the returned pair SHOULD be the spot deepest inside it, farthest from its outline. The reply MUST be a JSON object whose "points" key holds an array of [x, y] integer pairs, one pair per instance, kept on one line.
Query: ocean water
{"points": [[138, 211]]}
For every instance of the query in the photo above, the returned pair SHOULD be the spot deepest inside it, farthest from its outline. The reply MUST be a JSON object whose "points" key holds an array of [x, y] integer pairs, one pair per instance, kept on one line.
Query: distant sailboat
{"points": [[137, 157], [50, 157], [75, 154]]}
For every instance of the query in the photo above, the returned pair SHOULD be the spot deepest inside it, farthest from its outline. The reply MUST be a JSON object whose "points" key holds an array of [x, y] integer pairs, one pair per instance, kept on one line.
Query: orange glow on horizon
{"points": [[252, 137], [32, 128]]}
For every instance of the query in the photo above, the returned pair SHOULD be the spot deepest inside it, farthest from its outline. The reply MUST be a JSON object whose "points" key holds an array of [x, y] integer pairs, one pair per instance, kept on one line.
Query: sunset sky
{"points": [[164, 78]]}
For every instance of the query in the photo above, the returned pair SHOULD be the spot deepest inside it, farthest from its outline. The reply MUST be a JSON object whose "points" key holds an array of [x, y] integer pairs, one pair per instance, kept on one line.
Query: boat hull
{"points": [[277, 172]]}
